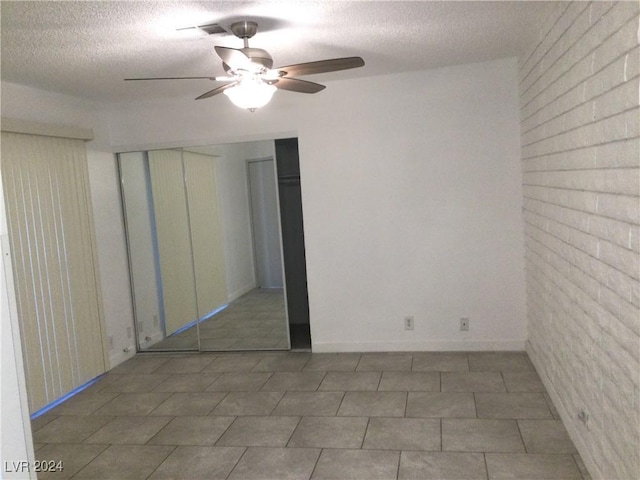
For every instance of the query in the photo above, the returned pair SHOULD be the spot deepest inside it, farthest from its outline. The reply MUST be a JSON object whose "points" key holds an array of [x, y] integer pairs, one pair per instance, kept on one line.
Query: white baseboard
{"points": [[434, 346], [568, 420], [240, 292], [156, 336], [119, 357]]}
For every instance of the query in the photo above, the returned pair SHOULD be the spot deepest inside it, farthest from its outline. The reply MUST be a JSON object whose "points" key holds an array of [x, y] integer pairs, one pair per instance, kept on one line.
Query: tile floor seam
{"points": [[211, 414], [157, 367], [158, 432], [379, 381], [344, 394], [323, 377], [486, 466], [521, 436], [284, 394], [208, 414], [364, 436], [158, 406], [119, 394], [294, 430], [406, 403], [158, 466], [504, 382], [398, 466], [305, 363], [225, 431], [237, 462], [315, 465], [475, 405], [271, 374], [358, 363]]}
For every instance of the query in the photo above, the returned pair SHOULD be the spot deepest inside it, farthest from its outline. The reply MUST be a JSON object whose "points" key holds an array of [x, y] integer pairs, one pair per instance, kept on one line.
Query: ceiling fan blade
{"points": [[171, 78], [216, 91], [322, 66], [296, 85], [233, 57]]}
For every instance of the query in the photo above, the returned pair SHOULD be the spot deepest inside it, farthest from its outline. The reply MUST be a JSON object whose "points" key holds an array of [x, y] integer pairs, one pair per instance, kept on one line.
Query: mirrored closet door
{"points": [[205, 249]]}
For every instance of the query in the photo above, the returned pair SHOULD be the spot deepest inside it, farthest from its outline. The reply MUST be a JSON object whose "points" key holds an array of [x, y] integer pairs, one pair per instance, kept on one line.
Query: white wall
{"points": [[16, 443], [236, 224], [28, 103], [411, 188], [580, 156]]}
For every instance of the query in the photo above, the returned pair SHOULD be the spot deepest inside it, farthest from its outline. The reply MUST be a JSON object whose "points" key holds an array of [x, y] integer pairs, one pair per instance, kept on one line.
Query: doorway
{"points": [[263, 202], [295, 266]]}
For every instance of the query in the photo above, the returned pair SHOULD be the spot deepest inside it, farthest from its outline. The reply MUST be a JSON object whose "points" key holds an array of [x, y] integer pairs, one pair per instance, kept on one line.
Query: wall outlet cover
{"points": [[408, 322], [464, 324]]}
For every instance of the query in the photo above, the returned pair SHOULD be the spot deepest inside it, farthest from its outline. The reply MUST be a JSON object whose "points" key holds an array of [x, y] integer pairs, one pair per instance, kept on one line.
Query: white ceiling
{"points": [[87, 48]]}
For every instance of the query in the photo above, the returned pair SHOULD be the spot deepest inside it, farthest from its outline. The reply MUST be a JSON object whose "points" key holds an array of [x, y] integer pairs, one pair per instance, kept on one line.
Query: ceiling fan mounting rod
{"points": [[244, 30]]}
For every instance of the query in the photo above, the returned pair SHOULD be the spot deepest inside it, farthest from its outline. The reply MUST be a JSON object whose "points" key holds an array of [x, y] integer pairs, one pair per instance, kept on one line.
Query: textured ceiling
{"points": [[86, 49]]}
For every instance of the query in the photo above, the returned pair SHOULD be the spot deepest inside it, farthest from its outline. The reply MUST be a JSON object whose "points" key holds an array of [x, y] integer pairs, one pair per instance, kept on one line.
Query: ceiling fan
{"points": [[250, 81]]}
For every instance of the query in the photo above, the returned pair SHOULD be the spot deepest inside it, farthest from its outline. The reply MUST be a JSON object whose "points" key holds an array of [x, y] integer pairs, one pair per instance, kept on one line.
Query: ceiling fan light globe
{"points": [[250, 94]]}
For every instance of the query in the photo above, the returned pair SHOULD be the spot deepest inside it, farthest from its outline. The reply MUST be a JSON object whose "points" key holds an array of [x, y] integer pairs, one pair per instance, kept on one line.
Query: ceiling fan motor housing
{"points": [[258, 56]]}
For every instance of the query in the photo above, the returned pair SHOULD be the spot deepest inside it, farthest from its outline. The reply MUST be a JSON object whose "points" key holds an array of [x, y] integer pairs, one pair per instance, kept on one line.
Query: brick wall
{"points": [[579, 89]]}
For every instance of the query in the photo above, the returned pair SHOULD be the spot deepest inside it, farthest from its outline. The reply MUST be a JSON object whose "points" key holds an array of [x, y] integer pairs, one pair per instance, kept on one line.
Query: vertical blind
{"points": [[174, 239], [189, 234], [206, 231], [53, 246]]}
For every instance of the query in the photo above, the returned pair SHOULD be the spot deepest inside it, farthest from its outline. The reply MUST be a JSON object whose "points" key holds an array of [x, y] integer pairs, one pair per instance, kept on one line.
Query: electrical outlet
{"points": [[155, 321], [141, 326], [110, 342], [129, 332], [408, 322], [464, 324]]}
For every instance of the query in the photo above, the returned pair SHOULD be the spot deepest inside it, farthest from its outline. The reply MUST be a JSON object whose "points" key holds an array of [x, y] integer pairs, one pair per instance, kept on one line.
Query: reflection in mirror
{"points": [[205, 248]]}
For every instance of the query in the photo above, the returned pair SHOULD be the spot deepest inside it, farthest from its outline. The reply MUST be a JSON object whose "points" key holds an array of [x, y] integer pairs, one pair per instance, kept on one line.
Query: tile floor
{"points": [[255, 321], [312, 416]]}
